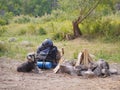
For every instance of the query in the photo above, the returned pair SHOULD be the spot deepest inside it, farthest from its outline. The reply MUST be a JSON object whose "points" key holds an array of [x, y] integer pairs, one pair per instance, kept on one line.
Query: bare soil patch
{"points": [[10, 79]]}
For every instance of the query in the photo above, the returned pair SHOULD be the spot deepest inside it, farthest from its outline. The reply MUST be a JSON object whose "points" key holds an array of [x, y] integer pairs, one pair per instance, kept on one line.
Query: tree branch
{"points": [[88, 13]]}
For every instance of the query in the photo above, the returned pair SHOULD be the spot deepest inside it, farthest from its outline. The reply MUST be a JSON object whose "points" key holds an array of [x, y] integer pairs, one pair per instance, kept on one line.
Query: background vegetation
{"points": [[24, 24]]}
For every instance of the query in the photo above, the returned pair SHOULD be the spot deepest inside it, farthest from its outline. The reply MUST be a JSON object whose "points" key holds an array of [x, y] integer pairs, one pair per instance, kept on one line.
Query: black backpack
{"points": [[52, 54]]}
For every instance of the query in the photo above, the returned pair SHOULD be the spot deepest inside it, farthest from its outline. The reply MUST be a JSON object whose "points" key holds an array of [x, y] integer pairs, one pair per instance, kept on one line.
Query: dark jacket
{"points": [[48, 50]]}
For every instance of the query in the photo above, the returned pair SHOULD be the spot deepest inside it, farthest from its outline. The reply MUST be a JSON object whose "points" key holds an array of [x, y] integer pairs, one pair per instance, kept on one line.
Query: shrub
{"points": [[3, 47], [3, 21], [63, 30], [58, 36], [107, 26], [22, 19], [31, 29], [22, 32], [3, 29], [35, 30], [42, 31], [47, 18]]}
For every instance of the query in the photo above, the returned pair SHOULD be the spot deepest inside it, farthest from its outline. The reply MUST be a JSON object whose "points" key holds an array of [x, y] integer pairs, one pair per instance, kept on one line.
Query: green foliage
{"points": [[22, 19], [3, 46], [59, 15], [33, 21], [22, 32], [31, 29], [61, 29], [3, 30], [19, 49], [58, 36], [108, 26], [27, 7], [76, 8], [103, 54], [75, 54], [3, 21], [56, 15], [47, 18], [42, 31], [108, 55]]}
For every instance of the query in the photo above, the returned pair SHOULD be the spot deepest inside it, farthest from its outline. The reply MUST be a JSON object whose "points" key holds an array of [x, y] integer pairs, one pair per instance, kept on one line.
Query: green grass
{"points": [[107, 51], [35, 33]]}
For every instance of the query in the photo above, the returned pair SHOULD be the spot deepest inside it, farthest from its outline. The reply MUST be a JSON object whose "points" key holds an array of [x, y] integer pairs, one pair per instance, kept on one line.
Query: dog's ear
{"points": [[31, 57]]}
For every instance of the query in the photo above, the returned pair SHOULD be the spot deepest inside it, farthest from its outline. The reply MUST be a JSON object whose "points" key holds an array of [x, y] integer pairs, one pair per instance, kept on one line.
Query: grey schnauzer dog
{"points": [[29, 65]]}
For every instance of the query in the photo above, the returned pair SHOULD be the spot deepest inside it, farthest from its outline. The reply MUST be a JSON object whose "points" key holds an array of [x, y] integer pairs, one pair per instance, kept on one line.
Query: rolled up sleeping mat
{"points": [[44, 65]]}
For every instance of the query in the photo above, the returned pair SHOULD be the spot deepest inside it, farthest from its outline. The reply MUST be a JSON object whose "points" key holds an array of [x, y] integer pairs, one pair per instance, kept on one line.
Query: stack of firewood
{"points": [[85, 66], [84, 58]]}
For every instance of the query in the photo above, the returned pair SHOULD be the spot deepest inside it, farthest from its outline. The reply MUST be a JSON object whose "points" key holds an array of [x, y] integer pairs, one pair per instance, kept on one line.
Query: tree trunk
{"points": [[76, 29]]}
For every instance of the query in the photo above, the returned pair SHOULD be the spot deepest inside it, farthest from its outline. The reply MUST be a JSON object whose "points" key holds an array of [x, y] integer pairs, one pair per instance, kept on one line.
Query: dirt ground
{"points": [[10, 79]]}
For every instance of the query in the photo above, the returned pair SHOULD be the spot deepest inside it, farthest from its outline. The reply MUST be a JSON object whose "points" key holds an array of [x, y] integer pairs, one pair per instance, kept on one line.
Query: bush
{"points": [[41, 31], [31, 29], [64, 30], [22, 19], [22, 32], [34, 30], [108, 26], [46, 18], [3, 47], [3, 29], [58, 36], [56, 15], [3, 21]]}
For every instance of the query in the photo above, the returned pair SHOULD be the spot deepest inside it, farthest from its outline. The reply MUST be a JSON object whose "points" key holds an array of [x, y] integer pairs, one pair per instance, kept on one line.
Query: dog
{"points": [[29, 65]]}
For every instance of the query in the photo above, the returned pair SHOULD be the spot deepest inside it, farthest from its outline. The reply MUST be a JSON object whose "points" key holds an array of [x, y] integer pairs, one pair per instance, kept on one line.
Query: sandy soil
{"points": [[10, 79]]}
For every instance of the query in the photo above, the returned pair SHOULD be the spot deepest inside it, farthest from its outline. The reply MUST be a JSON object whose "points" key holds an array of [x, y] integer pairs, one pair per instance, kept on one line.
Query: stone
{"points": [[12, 39], [88, 74], [69, 69], [113, 71], [2, 42]]}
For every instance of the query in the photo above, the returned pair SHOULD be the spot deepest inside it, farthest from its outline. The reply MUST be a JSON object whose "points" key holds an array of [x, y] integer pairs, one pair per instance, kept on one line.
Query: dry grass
{"points": [[101, 50], [107, 51]]}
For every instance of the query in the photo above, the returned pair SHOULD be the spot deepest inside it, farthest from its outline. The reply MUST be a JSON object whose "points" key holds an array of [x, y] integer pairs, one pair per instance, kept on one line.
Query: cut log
{"points": [[84, 58], [56, 69], [79, 59]]}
